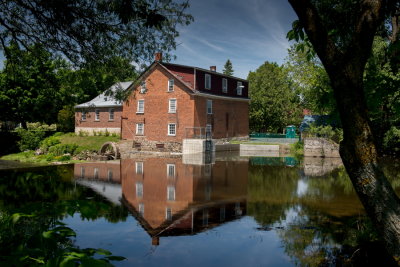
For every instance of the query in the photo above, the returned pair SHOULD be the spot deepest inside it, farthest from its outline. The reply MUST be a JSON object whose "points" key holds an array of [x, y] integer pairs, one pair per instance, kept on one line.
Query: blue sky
{"points": [[248, 32]]}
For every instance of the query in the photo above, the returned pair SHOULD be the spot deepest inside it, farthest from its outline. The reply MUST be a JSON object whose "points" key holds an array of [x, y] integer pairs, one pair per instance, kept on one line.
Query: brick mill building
{"points": [[101, 114], [171, 102]]}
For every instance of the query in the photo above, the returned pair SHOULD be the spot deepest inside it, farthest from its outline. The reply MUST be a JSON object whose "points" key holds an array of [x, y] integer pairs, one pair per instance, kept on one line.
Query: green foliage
{"points": [[326, 132], [274, 102], [30, 139], [391, 140], [382, 90], [32, 234], [312, 81], [297, 149], [85, 31], [66, 119], [29, 89], [49, 142], [228, 68], [61, 149]]}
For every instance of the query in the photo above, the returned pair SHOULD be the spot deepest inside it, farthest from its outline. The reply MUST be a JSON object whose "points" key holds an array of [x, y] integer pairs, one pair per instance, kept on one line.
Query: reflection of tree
{"points": [[32, 204], [315, 239], [270, 192]]}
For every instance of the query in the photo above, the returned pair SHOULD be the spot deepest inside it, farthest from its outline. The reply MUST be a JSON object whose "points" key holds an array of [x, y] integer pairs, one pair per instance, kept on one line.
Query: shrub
{"points": [[62, 149], [63, 158], [107, 133], [49, 142], [30, 139], [391, 141], [327, 132]]}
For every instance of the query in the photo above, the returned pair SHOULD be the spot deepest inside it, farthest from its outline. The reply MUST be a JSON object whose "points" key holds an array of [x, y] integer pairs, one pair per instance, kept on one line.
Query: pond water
{"points": [[232, 211]]}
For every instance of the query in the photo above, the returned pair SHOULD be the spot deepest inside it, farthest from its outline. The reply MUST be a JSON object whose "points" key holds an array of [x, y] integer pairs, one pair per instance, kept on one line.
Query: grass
{"points": [[91, 143]]}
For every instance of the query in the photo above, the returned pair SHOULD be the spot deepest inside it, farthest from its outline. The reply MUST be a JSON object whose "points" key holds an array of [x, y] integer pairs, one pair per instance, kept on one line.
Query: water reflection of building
{"points": [[171, 198], [103, 177]]}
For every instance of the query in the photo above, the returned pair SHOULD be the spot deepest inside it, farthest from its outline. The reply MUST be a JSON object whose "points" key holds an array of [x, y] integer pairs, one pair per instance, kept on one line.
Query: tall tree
{"points": [[274, 102], [312, 80], [342, 36], [89, 30], [29, 88], [228, 68]]}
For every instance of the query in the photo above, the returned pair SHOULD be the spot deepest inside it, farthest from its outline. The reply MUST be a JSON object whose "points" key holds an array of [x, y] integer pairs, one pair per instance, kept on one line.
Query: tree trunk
{"points": [[360, 158]]}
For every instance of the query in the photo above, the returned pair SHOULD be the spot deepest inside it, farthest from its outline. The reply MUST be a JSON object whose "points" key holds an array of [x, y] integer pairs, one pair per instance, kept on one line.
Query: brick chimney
{"points": [[213, 68], [158, 57]]}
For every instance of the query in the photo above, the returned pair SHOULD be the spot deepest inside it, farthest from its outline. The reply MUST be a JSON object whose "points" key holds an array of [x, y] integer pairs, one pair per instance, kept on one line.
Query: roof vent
{"points": [[213, 68]]}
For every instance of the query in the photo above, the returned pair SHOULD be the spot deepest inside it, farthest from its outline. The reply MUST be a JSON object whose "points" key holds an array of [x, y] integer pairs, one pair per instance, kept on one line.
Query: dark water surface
{"points": [[241, 211]]}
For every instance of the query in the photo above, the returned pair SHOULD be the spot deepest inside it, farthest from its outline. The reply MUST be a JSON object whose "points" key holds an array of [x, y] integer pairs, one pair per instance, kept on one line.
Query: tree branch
{"points": [[318, 35]]}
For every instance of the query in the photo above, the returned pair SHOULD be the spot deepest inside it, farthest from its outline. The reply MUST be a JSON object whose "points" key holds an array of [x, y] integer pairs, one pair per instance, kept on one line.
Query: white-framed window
{"points": [[172, 106], [141, 209], [171, 193], [239, 88], [139, 128], [140, 106], [109, 174], [82, 172], [171, 85], [224, 85], [111, 114], [139, 167], [83, 115], [97, 114], [171, 170], [139, 189], [168, 214], [207, 81], [96, 173], [208, 129], [209, 106], [171, 129]]}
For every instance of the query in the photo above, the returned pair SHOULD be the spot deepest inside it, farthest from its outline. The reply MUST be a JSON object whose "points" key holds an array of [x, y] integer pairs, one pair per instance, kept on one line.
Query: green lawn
{"points": [[92, 143]]}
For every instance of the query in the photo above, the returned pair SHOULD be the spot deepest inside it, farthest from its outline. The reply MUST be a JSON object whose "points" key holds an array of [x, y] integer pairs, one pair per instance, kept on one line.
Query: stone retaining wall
{"points": [[320, 147]]}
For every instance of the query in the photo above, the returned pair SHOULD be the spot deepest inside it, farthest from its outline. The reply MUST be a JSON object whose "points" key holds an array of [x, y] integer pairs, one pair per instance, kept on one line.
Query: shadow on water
{"points": [[307, 212]]}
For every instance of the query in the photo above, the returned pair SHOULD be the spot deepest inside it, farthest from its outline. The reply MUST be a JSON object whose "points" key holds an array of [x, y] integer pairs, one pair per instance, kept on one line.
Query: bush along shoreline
{"points": [[57, 148]]}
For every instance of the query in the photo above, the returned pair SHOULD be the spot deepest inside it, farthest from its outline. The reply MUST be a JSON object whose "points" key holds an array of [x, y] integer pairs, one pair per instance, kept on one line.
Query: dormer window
{"points": [[207, 81], [239, 88], [224, 85], [143, 88]]}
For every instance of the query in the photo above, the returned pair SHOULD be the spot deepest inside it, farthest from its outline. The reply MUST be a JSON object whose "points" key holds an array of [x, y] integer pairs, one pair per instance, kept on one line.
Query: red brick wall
{"points": [[156, 116], [104, 121], [235, 112], [103, 171], [155, 182], [191, 112]]}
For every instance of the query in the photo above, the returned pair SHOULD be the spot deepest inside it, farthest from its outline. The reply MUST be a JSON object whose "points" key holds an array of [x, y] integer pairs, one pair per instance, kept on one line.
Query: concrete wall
{"points": [[192, 146], [320, 147]]}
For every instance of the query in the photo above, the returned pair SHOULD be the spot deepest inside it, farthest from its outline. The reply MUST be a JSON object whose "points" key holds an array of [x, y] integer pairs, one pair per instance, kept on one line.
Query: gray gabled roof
{"points": [[104, 100]]}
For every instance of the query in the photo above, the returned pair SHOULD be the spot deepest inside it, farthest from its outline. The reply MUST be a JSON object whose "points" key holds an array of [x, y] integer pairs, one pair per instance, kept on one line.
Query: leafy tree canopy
{"points": [[274, 102], [88, 30]]}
